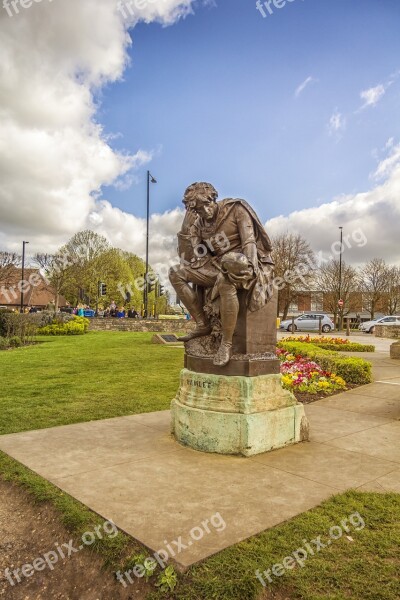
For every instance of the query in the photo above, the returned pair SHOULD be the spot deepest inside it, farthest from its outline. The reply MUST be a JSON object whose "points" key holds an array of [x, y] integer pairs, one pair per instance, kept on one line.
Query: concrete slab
{"points": [[378, 389], [390, 482], [158, 501], [80, 448], [330, 423], [331, 466], [367, 404], [381, 442], [387, 483], [156, 490]]}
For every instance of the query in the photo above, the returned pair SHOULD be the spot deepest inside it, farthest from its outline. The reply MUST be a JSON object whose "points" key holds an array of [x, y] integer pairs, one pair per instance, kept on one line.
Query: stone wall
{"points": [[112, 324], [387, 331]]}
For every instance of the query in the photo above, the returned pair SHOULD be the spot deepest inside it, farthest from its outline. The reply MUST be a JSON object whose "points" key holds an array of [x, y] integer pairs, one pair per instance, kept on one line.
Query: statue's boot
{"points": [[191, 300], [229, 315], [223, 355], [202, 329]]}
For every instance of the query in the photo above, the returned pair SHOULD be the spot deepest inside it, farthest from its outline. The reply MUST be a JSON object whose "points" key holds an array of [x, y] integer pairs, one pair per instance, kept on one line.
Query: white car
{"points": [[308, 322], [369, 326]]}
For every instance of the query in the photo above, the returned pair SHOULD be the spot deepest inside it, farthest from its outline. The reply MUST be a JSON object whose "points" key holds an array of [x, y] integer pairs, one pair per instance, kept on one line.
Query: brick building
{"points": [[37, 291]]}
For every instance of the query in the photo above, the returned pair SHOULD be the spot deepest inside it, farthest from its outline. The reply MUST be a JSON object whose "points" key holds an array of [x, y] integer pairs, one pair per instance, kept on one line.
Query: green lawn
{"points": [[100, 375], [70, 379]]}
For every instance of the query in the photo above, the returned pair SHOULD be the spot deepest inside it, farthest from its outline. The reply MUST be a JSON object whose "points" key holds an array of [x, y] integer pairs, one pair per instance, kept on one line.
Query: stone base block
{"points": [[236, 415], [395, 351]]}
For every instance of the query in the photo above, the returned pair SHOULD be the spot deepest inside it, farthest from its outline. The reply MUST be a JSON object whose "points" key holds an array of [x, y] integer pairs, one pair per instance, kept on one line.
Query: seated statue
{"points": [[223, 248]]}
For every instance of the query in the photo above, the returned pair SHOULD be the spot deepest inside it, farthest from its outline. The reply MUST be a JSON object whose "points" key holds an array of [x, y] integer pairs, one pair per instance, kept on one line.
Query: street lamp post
{"points": [[340, 279], [150, 179], [23, 276]]}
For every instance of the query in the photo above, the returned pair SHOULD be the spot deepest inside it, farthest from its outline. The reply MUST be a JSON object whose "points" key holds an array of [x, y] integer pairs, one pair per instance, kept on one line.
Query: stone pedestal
{"points": [[395, 351], [236, 414]]}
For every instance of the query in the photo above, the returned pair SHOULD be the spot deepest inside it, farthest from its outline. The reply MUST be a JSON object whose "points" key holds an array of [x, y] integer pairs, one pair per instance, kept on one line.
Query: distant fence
{"points": [[387, 331], [153, 325]]}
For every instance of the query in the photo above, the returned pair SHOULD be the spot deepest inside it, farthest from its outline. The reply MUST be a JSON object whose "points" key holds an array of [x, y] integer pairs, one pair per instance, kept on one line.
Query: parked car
{"points": [[308, 322], [369, 326]]}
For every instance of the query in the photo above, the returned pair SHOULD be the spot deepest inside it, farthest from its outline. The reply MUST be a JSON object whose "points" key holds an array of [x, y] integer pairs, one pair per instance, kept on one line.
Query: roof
{"points": [[37, 291]]}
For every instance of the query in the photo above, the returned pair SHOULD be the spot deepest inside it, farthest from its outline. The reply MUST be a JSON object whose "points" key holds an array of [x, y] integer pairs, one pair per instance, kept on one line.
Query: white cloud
{"points": [[375, 213], [54, 156], [303, 86], [337, 123], [372, 96]]}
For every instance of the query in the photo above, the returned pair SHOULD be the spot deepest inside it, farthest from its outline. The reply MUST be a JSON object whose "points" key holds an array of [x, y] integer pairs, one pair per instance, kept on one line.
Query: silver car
{"points": [[369, 326], [308, 322]]}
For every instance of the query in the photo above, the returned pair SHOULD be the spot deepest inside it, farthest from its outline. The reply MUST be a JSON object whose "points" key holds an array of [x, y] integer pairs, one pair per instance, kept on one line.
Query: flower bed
{"points": [[75, 326], [333, 343], [355, 371], [303, 375]]}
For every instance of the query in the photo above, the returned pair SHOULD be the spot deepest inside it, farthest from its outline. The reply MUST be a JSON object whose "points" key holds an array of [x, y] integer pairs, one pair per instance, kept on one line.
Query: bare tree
{"points": [[393, 290], [8, 262], [294, 266], [337, 288], [56, 271], [373, 284]]}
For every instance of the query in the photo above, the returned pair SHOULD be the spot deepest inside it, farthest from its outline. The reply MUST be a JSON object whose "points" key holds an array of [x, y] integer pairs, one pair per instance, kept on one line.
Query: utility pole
{"points": [[340, 304], [150, 179], [23, 276]]}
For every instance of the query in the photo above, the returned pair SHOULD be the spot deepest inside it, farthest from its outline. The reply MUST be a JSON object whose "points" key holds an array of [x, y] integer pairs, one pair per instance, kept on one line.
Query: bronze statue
{"points": [[223, 248]]}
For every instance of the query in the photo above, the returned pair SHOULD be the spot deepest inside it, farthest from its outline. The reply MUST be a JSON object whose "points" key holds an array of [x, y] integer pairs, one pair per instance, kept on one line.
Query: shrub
{"points": [[334, 343], [15, 342], [48, 317], [350, 347], [3, 343], [74, 326], [14, 324], [355, 371]]}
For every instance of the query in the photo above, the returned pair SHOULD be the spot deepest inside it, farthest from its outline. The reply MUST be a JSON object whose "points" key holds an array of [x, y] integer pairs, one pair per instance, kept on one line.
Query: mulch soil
{"points": [[28, 531]]}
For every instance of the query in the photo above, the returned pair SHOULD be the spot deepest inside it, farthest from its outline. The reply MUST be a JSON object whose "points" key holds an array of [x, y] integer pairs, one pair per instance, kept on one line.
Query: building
{"points": [[313, 301], [37, 291]]}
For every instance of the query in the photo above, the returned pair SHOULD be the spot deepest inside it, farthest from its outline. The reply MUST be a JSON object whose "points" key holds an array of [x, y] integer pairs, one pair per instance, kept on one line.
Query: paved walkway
{"points": [[130, 470]]}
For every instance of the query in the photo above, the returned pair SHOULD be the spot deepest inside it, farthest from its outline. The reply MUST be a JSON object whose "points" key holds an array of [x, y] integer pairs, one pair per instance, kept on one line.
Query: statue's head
{"points": [[201, 198]]}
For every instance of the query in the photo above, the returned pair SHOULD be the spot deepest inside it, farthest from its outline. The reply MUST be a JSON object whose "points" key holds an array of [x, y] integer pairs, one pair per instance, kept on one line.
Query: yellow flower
{"points": [[323, 384]]}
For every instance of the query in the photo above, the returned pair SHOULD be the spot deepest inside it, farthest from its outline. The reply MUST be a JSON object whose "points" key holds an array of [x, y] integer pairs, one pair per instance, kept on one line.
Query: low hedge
{"points": [[76, 326], [350, 347], [12, 342], [356, 371], [336, 344]]}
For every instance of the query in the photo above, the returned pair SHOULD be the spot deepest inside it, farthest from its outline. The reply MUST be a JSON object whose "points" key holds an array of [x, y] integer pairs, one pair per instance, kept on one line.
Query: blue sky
{"points": [[214, 96]]}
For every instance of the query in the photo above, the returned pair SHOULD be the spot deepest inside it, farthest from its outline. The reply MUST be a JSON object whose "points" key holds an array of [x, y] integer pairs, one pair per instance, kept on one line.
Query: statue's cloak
{"points": [[264, 246]]}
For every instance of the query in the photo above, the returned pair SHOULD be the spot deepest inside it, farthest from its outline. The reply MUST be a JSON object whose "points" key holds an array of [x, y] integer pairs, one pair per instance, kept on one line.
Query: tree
{"points": [[111, 268], [294, 266], [373, 284], [83, 252], [337, 288], [393, 290], [9, 261], [56, 271]]}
